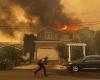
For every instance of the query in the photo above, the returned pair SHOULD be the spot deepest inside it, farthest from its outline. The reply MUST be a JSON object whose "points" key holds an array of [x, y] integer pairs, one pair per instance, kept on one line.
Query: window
{"points": [[48, 35]]}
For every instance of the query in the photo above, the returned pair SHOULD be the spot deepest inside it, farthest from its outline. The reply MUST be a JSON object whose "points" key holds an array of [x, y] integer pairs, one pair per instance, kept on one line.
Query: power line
{"points": [[27, 27], [2, 27]]}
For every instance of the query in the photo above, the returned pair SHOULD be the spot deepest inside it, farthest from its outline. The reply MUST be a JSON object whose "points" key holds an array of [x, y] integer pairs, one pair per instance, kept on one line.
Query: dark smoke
{"points": [[49, 13]]}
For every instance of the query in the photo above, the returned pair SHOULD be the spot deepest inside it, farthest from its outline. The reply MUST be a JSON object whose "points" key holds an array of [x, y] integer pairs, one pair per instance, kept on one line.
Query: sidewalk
{"points": [[34, 66], [29, 66]]}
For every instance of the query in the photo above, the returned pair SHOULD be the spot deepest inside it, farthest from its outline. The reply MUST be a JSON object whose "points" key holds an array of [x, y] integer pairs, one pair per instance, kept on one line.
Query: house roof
{"points": [[48, 28]]}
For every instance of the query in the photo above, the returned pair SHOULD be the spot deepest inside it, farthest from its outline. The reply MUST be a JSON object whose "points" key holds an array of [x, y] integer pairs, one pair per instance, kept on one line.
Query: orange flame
{"points": [[19, 13], [17, 38], [65, 27], [6, 38], [69, 27]]}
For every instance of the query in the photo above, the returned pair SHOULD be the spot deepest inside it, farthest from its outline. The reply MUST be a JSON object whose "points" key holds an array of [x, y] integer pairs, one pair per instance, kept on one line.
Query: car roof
{"points": [[93, 56]]}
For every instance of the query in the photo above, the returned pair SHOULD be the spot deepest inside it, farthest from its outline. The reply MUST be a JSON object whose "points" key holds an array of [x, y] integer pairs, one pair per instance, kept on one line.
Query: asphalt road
{"points": [[52, 75]]}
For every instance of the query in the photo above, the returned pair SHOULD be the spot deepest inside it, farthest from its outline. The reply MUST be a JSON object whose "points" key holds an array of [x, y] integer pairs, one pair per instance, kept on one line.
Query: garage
{"points": [[49, 52]]}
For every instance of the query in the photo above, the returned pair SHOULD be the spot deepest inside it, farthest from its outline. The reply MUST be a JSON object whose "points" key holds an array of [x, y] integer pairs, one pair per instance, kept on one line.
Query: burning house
{"points": [[48, 39], [32, 17]]}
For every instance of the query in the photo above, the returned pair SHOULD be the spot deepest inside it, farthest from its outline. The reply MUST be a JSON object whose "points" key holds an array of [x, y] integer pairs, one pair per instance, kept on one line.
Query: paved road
{"points": [[53, 75]]}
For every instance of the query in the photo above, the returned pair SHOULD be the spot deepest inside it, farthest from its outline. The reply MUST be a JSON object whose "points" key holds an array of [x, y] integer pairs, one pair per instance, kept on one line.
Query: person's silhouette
{"points": [[41, 64]]}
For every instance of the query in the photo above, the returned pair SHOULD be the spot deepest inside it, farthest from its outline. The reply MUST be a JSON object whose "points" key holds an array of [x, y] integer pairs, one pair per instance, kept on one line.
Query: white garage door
{"points": [[50, 53]]}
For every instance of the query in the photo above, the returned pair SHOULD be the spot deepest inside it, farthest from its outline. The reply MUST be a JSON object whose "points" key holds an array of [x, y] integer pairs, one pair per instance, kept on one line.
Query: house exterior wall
{"points": [[67, 36], [51, 53], [48, 35], [48, 39], [47, 48], [85, 35]]}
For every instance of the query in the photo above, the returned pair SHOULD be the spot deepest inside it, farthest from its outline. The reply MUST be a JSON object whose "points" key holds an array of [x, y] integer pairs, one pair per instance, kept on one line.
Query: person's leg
{"points": [[36, 71], [44, 71]]}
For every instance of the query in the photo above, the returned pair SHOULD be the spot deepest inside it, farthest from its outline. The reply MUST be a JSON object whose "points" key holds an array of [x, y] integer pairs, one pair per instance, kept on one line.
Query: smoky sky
{"points": [[85, 10], [49, 13]]}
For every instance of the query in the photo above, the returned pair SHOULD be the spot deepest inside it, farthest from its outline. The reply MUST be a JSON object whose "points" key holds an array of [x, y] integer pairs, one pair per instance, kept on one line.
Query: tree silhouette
{"points": [[29, 45], [62, 52]]}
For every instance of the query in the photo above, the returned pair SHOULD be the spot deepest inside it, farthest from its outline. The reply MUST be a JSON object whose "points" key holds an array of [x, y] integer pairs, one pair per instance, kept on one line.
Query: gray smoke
{"points": [[49, 13]]}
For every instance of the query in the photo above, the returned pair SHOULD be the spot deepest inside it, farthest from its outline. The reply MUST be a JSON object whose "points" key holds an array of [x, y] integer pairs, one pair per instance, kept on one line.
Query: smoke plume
{"points": [[86, 10], [31, 15]]}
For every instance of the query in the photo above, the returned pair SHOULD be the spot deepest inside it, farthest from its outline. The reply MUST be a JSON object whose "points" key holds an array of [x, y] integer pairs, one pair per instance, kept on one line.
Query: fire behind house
{"points": [[48, 39], [18, 17]]}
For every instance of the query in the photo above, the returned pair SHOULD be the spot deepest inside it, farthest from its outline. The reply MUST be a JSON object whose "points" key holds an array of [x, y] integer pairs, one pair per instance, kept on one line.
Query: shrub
{"points": [[10, 56]]}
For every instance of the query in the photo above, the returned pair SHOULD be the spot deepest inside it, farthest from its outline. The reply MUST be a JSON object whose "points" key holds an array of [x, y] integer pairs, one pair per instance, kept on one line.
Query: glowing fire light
{"points": [[17, 38], [64, 28], [34, 19], [69, 27], [6, 38], [19, 13]]}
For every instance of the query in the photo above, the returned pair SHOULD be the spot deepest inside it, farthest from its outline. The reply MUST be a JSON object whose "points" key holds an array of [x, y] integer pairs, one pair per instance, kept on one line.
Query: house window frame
{"points": [[48, 35]]}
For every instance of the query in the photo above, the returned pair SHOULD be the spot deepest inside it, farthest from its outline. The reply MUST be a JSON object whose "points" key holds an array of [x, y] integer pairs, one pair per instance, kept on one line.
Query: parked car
{"points": [[91, 62]]}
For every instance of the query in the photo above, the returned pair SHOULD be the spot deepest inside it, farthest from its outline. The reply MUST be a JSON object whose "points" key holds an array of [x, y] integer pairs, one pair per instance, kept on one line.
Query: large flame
{"points": [[17, 38], [20, 16], [19, 13], [7, 38]]}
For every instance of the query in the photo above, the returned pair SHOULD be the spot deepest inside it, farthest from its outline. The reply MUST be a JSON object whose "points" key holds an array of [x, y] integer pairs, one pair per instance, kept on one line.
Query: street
{"points": [[52, 75]]}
